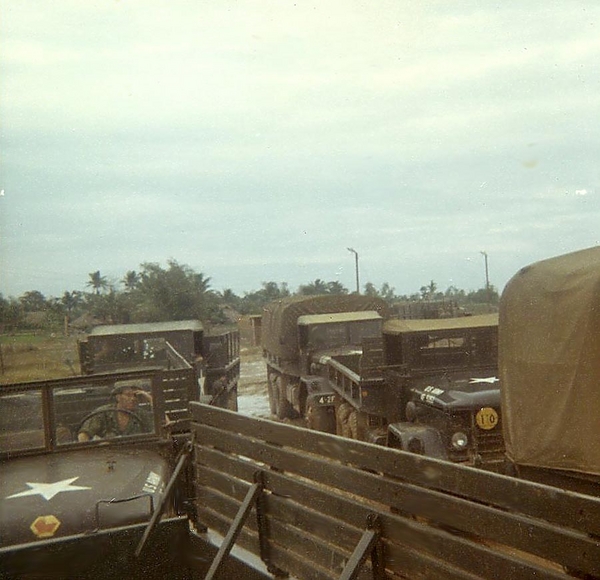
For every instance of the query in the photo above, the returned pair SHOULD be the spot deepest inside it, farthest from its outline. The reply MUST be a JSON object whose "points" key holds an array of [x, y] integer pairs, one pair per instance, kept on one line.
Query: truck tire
{"points": [[321, 419], [353, 424], [232, 399], [284, 407], [343, 412]]}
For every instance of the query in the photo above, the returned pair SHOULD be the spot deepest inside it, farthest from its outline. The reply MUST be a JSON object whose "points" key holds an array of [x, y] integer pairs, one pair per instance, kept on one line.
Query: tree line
{"points": [[155, 293]]}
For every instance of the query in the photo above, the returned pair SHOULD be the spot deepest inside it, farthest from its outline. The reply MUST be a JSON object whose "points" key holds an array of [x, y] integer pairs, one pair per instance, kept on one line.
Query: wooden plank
{"points": [[234, 530], [533, 536], [222, 504], [433, 543], [285, 519], [298, 566], [215, 521], [561, 507], [417, 566], [323, 555], [303, 561], [296, 510]]}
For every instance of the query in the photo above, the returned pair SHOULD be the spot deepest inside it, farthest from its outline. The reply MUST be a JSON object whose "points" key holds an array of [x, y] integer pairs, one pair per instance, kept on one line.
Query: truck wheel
{"points": [[284, 408], [321, 419], [353, 425], [310, 420], [342, 420], [232, 399]]}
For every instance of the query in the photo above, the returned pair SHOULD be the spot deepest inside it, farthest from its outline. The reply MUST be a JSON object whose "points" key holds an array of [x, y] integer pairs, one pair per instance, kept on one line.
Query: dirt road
{"points": [[253, 400]]}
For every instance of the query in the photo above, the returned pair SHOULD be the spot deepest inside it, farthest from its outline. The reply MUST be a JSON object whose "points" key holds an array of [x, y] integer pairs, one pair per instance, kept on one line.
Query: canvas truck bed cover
{"points": [[406, 326], [148, 328], [549, 357], [280, 318]]}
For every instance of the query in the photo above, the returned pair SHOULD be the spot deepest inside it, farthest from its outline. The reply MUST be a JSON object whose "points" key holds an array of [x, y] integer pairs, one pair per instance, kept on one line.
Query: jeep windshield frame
{"points": [[51, 412]]}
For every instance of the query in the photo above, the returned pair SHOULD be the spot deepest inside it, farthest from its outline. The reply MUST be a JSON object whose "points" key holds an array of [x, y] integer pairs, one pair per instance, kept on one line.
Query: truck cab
{"points": [[299, 335], [338, 334], [321, 339], [444, 374]]}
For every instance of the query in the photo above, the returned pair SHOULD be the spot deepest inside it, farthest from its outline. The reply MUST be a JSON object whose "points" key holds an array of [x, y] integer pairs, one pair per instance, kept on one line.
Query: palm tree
{"points": [[70, 300], [336, 287], [97, 282], [313, 288], [432, 288], [131, 280]]}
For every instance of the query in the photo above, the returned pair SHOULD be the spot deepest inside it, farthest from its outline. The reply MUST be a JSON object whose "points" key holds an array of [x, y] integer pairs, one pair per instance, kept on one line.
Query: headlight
{"points": [[459, 440]]}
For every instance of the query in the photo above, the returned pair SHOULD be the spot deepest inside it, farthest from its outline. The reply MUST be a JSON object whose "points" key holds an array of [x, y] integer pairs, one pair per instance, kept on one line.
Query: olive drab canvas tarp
{"points": [[401, 326], [280, 318], [549, 353]]}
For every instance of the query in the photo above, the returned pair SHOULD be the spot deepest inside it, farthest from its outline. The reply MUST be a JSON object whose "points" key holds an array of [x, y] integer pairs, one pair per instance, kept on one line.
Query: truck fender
{"points": [[420, 439]]}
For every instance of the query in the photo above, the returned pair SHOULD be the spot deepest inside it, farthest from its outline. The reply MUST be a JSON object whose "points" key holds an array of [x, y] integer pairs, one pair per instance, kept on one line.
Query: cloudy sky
{"points": [[256, 140]]}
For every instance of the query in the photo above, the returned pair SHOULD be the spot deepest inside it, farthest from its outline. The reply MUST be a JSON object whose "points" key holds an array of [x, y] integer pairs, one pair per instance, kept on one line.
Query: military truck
{"points": [[299, 335], [89, 507], [443, 375], [426, 386], [215, 356], [549, 347]]}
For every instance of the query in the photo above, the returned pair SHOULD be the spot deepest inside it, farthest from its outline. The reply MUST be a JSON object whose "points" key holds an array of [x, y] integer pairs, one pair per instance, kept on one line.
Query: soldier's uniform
{"points": [[105, 424]]}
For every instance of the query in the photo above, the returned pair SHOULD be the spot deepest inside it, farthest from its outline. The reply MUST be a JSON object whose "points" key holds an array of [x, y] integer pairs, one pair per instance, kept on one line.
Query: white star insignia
{"points": [[490, 380], [49, 490]]}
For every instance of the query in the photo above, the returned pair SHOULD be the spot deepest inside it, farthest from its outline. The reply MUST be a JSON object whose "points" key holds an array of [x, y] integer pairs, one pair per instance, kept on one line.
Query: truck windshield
{"points": [[127, 351], [455, 350], [49, 416], [339, 334]]}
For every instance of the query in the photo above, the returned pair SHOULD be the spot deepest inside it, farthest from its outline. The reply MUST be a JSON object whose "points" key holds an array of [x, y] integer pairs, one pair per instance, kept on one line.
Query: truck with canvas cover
{"points": [[214, 356], [549, 349], [299, 335]]}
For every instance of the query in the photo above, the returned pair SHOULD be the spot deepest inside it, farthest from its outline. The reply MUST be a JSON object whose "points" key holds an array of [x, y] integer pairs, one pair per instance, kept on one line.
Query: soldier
{"points": [[122, 417]]}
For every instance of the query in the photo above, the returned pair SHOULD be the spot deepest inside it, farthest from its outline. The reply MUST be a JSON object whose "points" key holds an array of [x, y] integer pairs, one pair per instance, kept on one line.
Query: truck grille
{"points": [[486, 447]]}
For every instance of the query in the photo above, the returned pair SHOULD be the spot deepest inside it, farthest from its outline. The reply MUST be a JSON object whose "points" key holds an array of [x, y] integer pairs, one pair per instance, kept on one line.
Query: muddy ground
{"points": [[253, 399]]}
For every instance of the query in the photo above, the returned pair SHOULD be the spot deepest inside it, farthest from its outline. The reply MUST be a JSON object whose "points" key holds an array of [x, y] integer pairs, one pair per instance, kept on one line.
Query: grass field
{"points": [[33, 357]]}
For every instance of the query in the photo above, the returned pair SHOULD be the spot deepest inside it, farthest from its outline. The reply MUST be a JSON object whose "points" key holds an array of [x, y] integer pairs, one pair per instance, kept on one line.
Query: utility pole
{"points": [[487, 275], [356, 268]]}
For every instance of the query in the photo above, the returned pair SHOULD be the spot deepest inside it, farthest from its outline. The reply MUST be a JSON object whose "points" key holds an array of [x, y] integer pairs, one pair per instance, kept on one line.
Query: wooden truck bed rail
{"points": [[322, 497], [367, 394]]}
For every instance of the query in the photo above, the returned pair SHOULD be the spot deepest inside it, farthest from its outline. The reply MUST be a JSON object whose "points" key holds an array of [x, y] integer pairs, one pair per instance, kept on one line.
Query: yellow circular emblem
{"points": [[487, 418]]}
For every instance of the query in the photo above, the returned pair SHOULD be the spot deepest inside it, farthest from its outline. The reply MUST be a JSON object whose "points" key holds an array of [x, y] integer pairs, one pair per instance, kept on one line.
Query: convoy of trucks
{"points": [[519, 390], [429, 386]]}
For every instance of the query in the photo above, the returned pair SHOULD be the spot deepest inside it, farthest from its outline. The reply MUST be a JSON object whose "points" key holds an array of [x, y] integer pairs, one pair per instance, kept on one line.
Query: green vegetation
{"points": [[177, 292]]}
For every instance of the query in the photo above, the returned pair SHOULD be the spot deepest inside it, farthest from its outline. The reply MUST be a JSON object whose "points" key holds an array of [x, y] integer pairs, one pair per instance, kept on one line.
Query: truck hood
{"points": [[458, 392], [73, 492]]}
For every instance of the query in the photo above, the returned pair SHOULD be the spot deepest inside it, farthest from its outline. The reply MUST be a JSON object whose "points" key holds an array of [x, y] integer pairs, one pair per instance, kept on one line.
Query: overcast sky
{"points": [[258, 140]]}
